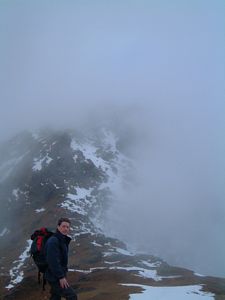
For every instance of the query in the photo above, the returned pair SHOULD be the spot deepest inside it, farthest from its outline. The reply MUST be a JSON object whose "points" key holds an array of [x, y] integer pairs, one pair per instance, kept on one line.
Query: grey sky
{"points": [[59, 58], [159, 65]]}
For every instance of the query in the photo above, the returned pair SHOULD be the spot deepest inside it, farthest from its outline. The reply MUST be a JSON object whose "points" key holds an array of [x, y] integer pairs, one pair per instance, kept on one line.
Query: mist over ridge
{"points": [[148, 67]]}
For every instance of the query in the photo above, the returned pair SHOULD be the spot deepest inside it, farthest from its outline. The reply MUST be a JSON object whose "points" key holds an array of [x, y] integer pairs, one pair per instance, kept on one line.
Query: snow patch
{"points": [[83, 228], [15, 193], [116, 250], [145, 273], [4, 232], [90, 153], [87, 271], [96, 244], [111, 262], [38, 210], [191, 292], [124, 252], [38, 162], [79, 202], [57, 187], [199, 275], [16, 273], [37, 165], [151, 265]]}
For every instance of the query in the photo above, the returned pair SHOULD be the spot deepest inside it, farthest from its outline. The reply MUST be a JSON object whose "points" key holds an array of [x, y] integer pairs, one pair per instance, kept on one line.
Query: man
{"points": [[57, 259]]}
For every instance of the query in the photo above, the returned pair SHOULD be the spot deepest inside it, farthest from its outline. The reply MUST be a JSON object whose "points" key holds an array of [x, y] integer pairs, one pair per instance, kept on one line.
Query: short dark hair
{"points": [[63, 220]]}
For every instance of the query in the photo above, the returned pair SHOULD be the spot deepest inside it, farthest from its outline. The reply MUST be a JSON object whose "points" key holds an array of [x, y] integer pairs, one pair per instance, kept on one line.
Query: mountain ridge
{"points": [[48, 174]]}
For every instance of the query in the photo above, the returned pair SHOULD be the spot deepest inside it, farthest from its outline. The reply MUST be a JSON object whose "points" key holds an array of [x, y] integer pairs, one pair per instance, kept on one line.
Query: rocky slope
{"points": [[50, 174]]}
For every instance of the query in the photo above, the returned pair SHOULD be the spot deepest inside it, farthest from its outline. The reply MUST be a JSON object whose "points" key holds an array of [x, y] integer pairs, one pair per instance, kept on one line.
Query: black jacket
{"points": [[56, 251]]}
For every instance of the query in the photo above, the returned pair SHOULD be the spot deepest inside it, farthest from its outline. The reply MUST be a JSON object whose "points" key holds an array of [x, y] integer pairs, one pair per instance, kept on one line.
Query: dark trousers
{"points": [[57, 292]]}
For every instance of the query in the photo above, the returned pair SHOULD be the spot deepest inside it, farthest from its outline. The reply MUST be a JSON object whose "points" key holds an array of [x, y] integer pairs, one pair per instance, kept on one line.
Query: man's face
{"points": [[64, 228]]}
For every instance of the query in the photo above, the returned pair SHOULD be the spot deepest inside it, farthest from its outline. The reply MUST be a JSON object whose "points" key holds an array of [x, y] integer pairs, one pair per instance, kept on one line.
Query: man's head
{"points": [[64, 225]]}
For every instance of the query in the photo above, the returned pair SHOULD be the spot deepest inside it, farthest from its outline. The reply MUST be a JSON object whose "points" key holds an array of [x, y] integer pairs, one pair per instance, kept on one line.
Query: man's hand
{"points": [[63, 283]]}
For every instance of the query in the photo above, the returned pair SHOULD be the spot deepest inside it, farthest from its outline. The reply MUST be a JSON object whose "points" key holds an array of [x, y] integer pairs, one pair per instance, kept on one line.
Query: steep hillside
{"points": [[50, 174]]}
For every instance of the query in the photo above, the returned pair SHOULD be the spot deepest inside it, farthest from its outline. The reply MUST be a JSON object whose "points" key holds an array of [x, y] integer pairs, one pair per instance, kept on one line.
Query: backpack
{"points": [[39, 239]]}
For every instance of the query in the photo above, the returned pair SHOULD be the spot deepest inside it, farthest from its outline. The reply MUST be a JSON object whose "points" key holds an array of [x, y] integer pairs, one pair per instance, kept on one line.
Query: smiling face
{"points": [[64, 228]]}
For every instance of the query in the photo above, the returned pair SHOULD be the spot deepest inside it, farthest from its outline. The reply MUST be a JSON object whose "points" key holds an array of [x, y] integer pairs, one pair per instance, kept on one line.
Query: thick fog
{"points": [[157, 67]]}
